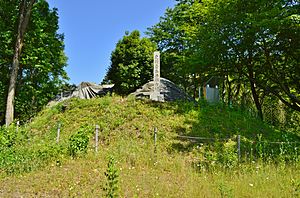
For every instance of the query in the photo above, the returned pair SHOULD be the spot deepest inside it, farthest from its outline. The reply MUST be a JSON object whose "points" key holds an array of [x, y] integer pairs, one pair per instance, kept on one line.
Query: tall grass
{"points": [[33, 164]]}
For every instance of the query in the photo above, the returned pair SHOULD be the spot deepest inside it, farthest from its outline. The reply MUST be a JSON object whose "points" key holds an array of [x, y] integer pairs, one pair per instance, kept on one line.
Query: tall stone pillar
{"points": [[156, 79]]}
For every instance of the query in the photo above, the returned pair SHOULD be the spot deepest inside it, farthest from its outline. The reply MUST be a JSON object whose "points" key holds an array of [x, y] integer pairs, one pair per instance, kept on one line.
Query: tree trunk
{"points": [[256, 100], [25, 10], [223, 90], [237, 93], [229, 92], [195, 86], [254, 93]]}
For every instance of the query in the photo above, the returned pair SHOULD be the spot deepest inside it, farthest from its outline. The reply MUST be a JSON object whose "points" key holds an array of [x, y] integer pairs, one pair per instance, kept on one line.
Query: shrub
{"points": [[78, 142], [228, 157], [9, 136]]}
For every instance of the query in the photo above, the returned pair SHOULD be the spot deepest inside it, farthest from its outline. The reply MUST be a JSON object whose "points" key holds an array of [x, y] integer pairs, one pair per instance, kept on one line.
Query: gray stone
{"points": [[85, 90], [168, 91], [155, 95]]}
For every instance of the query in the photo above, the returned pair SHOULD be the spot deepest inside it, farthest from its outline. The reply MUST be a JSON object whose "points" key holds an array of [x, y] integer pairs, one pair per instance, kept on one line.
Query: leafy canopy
{"points": [[131, 63], [42, 63]]}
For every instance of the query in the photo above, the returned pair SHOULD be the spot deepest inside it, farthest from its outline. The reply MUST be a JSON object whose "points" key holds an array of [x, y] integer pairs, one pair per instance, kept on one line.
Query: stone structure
{"points": [[168, 90], [85, 90], [160, 89], [155, 95]]}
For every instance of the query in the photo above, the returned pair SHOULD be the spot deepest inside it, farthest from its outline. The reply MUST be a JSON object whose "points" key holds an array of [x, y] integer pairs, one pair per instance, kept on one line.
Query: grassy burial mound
{"points": [[195, 154]]}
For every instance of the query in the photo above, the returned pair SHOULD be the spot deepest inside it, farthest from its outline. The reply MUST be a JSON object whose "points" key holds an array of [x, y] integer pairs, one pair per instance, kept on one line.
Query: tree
{"points": [[42, 73], [131, 63], [257, 41], [252, 46], [7, 18], [41, 63], [25, 10], [173, 35]]}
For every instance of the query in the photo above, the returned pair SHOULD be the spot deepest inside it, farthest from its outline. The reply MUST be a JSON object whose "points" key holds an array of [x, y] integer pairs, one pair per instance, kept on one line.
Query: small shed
{"points": [[211, 90]]}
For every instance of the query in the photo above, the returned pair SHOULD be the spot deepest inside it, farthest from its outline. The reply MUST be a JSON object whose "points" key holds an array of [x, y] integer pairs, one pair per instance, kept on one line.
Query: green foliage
{"points": [[295, 187], [284, 150], [43, 67], [249, 41], [173, 35], [225, 191], [19, 156], [8, 13], [131, 63], [12, 135], [42, 63], [218, 154], [7, 137], [112, 178], [251, 47], [17, 160], [228, 157], [78, 142], [126, 132]]}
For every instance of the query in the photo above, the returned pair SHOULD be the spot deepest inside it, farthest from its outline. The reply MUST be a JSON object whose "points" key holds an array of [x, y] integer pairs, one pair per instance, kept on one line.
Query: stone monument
{"points": [[155, 95]]}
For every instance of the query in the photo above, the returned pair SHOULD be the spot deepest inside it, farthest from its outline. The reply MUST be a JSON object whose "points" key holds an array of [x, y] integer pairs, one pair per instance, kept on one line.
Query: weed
{"points": [[126, 128], [112, 176], [295, 187], [228, 156], [225, 190], [260, 146], [78, 142]]}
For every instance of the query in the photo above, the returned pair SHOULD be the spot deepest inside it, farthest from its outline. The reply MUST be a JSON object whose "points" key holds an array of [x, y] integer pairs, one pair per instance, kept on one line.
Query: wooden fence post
{"points": [[155, 138], [96, 138], [58, 132], [18, 125], [239, 147]]}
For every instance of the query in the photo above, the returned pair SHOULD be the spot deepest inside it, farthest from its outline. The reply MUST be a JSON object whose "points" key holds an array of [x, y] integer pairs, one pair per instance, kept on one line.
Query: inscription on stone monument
{"points": [[156, 71], [156, 79]]}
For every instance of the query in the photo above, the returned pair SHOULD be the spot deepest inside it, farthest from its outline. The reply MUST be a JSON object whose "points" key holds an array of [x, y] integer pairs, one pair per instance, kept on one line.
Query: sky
{"points": [[93, 27]]}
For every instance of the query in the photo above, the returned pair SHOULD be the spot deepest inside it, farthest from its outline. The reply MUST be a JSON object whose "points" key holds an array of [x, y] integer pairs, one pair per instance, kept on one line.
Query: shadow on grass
{"points": [[218, 123], [179, 107]]}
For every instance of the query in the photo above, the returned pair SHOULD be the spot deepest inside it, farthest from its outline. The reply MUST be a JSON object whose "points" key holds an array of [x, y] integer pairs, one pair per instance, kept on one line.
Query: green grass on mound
{"points": [[33, 164]]}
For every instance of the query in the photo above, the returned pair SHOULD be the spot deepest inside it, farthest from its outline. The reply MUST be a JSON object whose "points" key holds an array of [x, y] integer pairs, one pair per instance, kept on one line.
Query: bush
{"points": [[78, 142], [15, 160], [218, 154], [9, 136], [228, 157]]}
